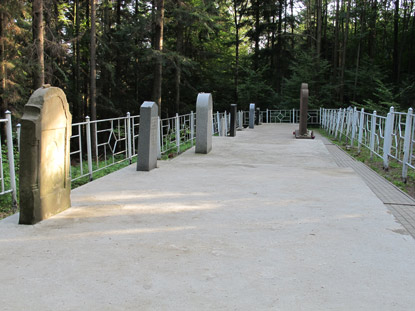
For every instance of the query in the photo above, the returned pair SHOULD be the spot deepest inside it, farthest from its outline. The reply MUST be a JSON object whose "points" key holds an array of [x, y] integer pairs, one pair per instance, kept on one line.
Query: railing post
{"points": [[267, 116], [129, 148], [225, 115], [354, 125], [18, 129], [338, 123], [293, 115], [361, 126], [192, 127], [342, 116], [88, 145], [177, 133], [320, 116], [372, 134], [159, 138], [387, 141], [10, 155], [407, 144], [218, 121]]}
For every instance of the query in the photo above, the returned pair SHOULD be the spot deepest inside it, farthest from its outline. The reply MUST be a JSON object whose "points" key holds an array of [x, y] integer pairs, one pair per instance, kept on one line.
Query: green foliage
{"points": [[308, 68]]}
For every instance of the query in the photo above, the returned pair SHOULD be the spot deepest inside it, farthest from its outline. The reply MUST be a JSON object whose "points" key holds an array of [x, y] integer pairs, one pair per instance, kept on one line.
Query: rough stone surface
{"points": [[44, 180], [232, 132], [178, 239], [147, 138], [251, 116], [204, 110]]}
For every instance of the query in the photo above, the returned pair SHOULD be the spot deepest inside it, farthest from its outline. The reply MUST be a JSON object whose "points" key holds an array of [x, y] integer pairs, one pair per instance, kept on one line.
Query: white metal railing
{"points": [[284, 116], [100, 144], [387, 137], [10, 186]]}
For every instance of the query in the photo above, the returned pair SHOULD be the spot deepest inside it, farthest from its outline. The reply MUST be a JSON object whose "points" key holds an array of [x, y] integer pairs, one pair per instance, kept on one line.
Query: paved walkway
{"points": [[263, 222], [399, 203]]}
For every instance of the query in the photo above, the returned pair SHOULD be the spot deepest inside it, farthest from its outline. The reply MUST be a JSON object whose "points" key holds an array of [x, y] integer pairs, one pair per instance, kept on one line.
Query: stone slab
{"points": [[204, 119], [45, 183], [147, 138]]}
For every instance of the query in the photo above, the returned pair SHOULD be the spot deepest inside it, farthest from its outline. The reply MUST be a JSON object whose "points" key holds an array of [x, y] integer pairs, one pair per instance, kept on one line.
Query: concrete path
{"points": [[264, 222]]}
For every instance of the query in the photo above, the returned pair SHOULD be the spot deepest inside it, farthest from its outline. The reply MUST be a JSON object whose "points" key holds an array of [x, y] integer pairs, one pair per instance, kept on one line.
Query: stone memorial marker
{"points": [[147, 138], [251, 115], [204, 108], [45, 184], [232, 132], [302, 132]]}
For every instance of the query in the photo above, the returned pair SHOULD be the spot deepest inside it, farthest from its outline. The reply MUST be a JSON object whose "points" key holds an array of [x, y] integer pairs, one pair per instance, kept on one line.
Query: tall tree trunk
{"points": [[372, 29], [236, 77], [179, 50], [336, 42], [93, 75], [256, 35], [396, 43], [343, 59], [319, 21], [38, 32], [3, 97], [78, 109], [158, 47]]}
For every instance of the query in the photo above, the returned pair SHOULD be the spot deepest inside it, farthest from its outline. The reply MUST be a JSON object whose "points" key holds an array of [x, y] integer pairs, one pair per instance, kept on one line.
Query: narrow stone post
{"points": [[45, 184], [225, 116], [251, 115], [232, 132], [204, 110], [147, 138], [266, 119]]}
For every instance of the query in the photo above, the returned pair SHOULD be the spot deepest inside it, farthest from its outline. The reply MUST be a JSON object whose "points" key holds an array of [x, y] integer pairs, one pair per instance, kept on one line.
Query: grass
{"points": [[392, 174], [6, 200]]}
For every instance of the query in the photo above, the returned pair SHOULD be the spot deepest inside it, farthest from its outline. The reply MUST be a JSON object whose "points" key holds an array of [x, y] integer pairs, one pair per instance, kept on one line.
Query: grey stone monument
{"points": [[232, 132], [147, 138], [204, 108], [251, 115], [45, 184], [302, 132]]}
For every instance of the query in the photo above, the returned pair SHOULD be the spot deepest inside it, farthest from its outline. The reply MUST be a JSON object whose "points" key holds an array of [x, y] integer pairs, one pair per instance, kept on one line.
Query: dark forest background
{"points": [[111, 55]]}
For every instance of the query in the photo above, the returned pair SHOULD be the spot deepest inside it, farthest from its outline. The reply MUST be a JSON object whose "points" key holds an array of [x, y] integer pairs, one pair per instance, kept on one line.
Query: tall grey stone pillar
{"points": [[251, 115], [232, 132], [302, 132], [45, 184], [303, 108], [204, 109], [147, 138]]}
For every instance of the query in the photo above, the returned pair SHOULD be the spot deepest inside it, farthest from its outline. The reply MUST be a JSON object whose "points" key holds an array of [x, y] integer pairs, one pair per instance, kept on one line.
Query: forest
{"points": [[111, 55]]}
